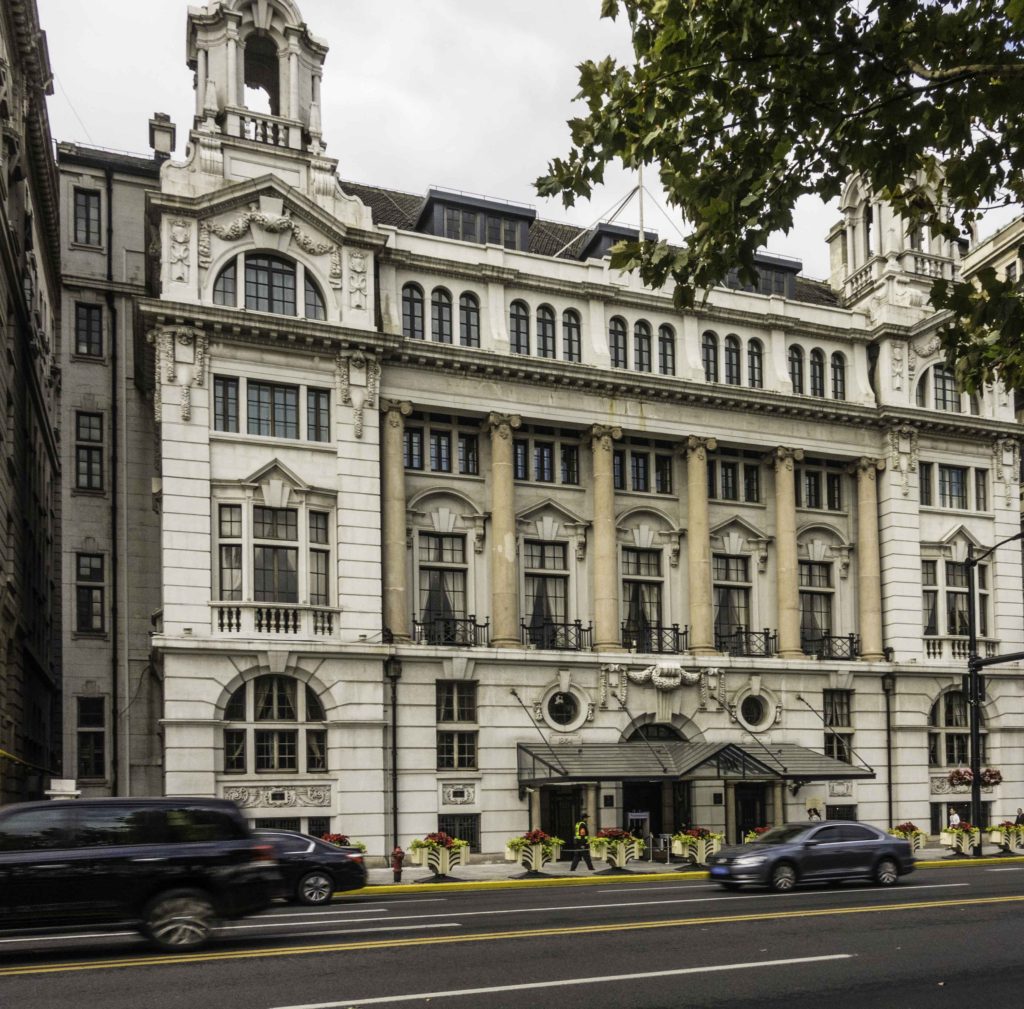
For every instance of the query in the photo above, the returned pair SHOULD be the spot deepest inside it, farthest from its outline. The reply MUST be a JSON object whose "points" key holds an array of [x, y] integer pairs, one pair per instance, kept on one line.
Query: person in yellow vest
{"points": [[581, 832]]}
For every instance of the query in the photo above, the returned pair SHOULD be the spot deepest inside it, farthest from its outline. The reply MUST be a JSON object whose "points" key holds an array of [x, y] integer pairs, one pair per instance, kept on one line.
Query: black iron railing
{"points": [[655, 639], [462, 632], [564, 637], [830, 646], [741, 641]]}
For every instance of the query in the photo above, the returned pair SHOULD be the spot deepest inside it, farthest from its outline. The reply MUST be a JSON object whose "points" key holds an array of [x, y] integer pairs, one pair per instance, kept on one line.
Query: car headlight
{"points": [[748, 860]]}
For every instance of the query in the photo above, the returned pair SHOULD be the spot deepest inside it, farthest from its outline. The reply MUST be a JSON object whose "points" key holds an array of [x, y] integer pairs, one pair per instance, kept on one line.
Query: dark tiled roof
{"points": [[548, 238], [390, 206], [136, 164], [815, 292]]}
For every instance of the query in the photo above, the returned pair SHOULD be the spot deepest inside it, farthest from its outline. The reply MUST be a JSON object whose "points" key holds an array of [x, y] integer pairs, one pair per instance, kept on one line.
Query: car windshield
{"points": [[781, 835]]}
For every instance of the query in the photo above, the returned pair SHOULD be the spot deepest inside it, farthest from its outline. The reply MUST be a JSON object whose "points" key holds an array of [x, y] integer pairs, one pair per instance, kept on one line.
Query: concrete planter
{"points": [[617, 852], [700, 849], [960, 840], [441, 860], [532, 857]]}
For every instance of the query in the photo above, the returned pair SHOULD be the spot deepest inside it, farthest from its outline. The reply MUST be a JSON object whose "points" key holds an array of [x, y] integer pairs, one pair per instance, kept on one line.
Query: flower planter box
{"points": [[947, 839], [960, 840], [617, 852], [700, 849], [533, 857], [682, 848]]}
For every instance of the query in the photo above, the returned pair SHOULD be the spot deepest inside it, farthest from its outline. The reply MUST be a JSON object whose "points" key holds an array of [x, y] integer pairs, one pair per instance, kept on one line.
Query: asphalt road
{"points": [[943, 937]]}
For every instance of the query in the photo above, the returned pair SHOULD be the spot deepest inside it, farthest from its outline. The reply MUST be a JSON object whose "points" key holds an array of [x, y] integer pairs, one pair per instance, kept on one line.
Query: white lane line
{"points": [[667, 886], [367, 931], [74, 935], [325, 921], [803, 893], [333, 910], [568, 982], [1009, 868]]}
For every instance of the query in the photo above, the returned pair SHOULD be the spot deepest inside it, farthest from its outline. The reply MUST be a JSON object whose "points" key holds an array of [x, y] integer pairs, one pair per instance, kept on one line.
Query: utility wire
{"points": [[74, 111]]}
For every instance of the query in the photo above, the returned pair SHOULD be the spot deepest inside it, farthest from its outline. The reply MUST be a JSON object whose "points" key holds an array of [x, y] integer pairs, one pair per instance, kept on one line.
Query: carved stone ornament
{"points": [[501, 425], [712, 690], [897, 366], [396, 410], [1006, 465], [784, 458], [612, 679], [602, 436], [274, 797], [940, 786], [357, 279], [700, 446], [180, 250], [185, 367], [840, 789], [358, 382], [456, 794], [903, 454]]}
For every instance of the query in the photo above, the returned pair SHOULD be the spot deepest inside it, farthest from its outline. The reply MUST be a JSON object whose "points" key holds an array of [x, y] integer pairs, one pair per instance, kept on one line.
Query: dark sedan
{"points": [[813, 853], [314, 870]]}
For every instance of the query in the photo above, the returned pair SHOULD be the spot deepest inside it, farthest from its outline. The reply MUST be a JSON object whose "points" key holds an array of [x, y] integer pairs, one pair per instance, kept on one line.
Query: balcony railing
{"points": [[463, 632], [830, 646], [755, 644], [955, 649], [655, 639], [563, 637], [265, 619]]}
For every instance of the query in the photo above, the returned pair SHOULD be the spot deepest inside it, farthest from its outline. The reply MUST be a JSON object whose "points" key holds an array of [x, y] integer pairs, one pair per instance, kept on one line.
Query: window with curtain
{"points": [[412, 312], [545, 331], [440, 315], [709, 356], [519, 328], [732, 360], [571, 344], [731, 580], [617, 342], [546, 580], [641, 595], [755, 364], [815, 604], [442, 584], [949, 741], [469, 320]]}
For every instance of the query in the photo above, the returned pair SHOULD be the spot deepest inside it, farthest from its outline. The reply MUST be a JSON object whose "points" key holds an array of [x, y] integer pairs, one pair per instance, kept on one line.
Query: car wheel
{"points": [[886, 872], [783, 878], [179, 920], [315, 887]]}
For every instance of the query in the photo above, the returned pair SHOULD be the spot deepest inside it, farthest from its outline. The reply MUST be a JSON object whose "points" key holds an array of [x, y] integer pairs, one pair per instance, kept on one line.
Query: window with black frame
{"points": [[642, 599], [731, 581], [546, 581], [949, 738], [816, 594], [837, 714], [442, 588]]}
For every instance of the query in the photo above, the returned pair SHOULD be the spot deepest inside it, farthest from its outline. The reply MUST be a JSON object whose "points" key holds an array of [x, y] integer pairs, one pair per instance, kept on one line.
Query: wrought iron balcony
{"points": [[830, 646], [563, 637], [741, 641], [655, 639], [463, 632]]}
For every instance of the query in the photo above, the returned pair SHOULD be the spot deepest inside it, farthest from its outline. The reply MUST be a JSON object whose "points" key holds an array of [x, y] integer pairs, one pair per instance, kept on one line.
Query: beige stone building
{"points": [[462, 529], [30, 427]]}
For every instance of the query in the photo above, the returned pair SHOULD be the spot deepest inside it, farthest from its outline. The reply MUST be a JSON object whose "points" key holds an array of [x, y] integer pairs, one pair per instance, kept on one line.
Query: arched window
{"points": [[666, 350], [796, 368], [817, 372], [709, 354], [949, 737], [657, 732], [732, 360], [617, 342], [838, 376], [440, 315], [268, 728], [570, 335], [269, 284], [519, 327], [315, 308], [545, 331], [412, 312], [921, 397], [946, 393], [224, 286], [469, 320], [642, 346], [755, 364]]}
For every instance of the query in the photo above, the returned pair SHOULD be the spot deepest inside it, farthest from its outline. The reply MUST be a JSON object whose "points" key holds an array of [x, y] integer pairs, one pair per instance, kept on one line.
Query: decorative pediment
{"points": [[277, 483], [552, 508], [736, 536]]}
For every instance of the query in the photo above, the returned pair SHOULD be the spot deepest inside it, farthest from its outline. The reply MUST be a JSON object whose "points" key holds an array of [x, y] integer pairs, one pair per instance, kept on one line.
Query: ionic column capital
{"points": [[601, 436], [698, 447], [784, 458], [396, 410], [502, 424], [866, 467]]}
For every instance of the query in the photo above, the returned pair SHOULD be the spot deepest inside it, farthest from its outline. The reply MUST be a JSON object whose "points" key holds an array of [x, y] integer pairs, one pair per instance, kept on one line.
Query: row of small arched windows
{"points": [[731, 360], [815, 384], [442, 318], [618, 346]]}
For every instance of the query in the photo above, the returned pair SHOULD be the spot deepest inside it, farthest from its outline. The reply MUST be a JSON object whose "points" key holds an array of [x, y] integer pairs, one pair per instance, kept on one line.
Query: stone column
{"points": [[787, 588], [698, 539], [607, 636], [231, 85], [393, 535], [200, 82], [778, 802], [591, 806], [730, 813], [293, 84], [535, 810], [869, 578], [504, 577]]}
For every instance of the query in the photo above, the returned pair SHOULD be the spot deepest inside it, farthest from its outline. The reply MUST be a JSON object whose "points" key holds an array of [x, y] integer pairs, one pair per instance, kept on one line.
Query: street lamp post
{"points": [[975, 663]]}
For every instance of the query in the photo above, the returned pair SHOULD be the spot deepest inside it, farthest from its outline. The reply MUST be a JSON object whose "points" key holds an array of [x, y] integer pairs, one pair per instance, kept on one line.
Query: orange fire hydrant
{"points": [[397, 858]]}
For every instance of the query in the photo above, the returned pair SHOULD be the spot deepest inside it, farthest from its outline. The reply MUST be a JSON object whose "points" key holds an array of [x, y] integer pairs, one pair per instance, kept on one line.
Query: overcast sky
{"points": [[461, 94]]}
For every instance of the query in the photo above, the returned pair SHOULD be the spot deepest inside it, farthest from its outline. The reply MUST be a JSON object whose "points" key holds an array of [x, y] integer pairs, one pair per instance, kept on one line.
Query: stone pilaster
{"points": [[393, 539], [607, 637], [504, 579], [698, 538], [869, 578], [787, 568]]}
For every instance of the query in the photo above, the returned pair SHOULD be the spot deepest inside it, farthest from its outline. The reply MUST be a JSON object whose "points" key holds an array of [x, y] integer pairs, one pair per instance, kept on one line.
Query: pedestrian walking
{"points": [[1019, 822], [954, 818], [582, 832]]}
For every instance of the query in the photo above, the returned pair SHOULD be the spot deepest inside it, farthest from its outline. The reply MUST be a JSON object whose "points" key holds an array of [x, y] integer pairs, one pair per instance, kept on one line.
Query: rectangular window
{"points": [[952, 487], [89, 451], [273, 410], [234, 751], [469, 455], [981, 490], [837, 707], [839, 746], [834, 489], [225, 404], [546, 585], [442, 574], [730, 481], [318, 415], [91, 728], [619, 469], [87, 217], [89, 330], [663, 474], [318, 585], [275, 574], [276, 750], [544, 462], [318, 529], [981, 579], [731, 577], [440, 451], [275, 523], [751, 483], [956, 598], [413, 446], [924, 483], [456, 701], [812, 490], [570, 464], [90, 578], [930, 597], [465, 826], [640, 466], [456, 751], [231, 571], [230, 524], [316, 749], [521, 460], [712, 469]]}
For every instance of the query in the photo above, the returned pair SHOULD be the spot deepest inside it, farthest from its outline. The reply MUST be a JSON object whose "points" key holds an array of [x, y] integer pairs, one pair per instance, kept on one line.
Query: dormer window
{"points": [[271, 283]]}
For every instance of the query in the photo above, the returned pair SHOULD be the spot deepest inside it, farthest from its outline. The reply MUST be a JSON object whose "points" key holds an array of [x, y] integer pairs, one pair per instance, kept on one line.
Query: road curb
{"points": [[955, 862]]}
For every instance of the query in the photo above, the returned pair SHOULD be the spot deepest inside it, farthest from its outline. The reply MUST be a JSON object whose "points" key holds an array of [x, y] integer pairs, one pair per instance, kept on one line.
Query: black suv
{"points": [[169, 866]]}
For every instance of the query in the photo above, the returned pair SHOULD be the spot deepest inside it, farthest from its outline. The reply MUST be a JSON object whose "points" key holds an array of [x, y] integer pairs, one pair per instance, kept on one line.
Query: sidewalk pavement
{"points": [[502, 873]]}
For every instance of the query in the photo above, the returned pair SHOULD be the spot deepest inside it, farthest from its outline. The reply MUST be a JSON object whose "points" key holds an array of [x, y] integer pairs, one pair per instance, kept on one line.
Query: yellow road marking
{"points": [[394, 944]]}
